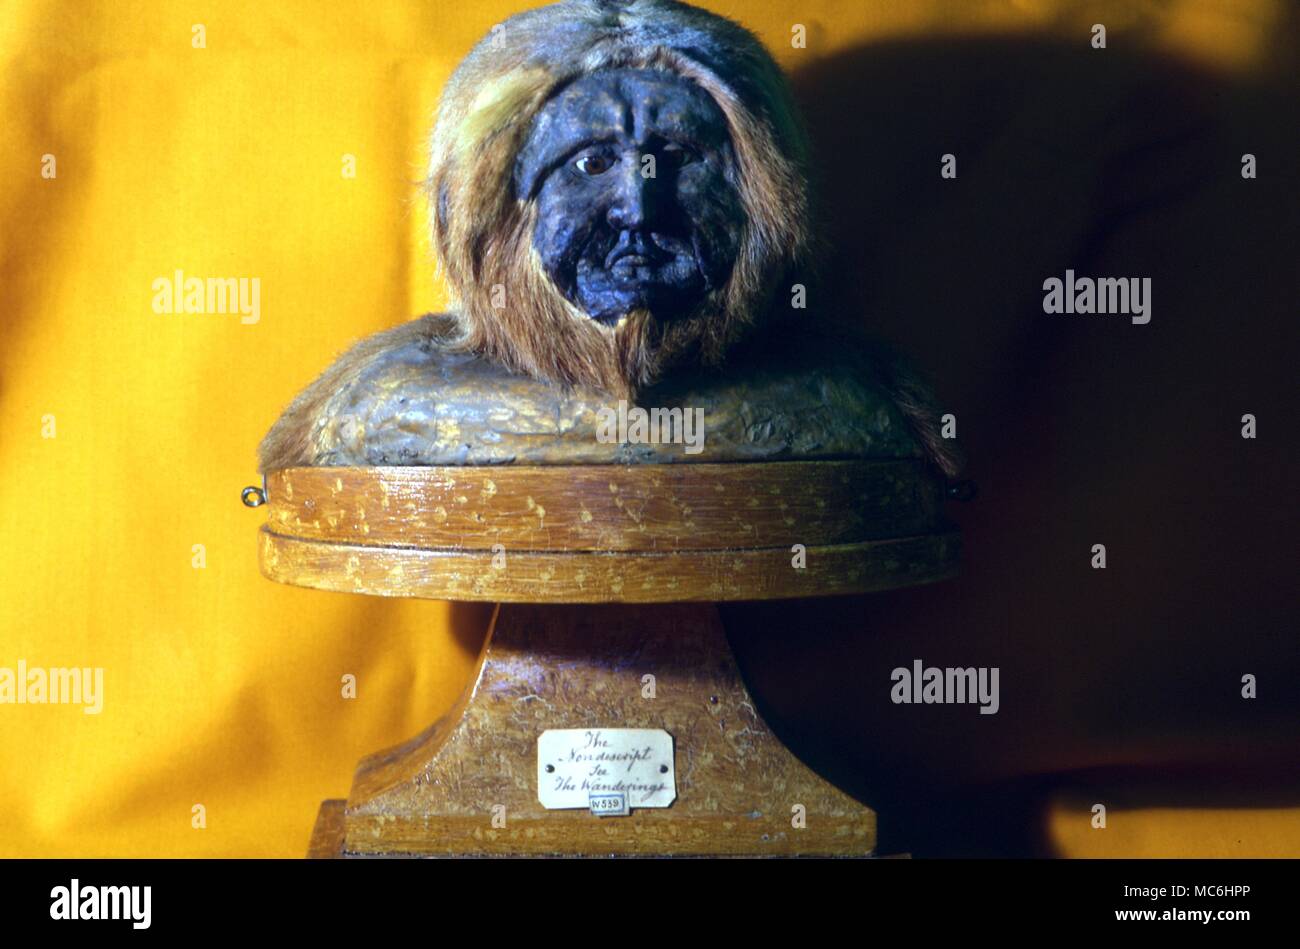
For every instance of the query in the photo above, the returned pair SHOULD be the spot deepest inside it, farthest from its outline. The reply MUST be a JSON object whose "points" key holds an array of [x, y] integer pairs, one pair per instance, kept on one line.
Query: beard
{"points": [[539, 331]]}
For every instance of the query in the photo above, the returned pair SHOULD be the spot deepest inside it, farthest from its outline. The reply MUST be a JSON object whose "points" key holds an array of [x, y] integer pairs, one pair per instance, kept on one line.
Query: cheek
{"points": [[563, 221], [715, 210], [566, 219]]}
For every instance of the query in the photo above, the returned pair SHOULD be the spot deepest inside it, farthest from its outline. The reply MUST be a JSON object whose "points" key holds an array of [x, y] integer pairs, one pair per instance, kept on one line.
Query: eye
{"points": [[593, 164], [675, 155]]}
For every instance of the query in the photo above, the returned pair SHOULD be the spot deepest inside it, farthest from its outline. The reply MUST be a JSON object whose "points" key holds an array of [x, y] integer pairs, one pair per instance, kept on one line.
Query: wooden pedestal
{"points": [[676, 536], [468, 785]]}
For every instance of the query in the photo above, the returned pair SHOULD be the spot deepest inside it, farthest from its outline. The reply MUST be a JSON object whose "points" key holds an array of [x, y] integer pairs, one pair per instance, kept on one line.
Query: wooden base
{"points": [[610, 534], [468, 785], [327, 834]]}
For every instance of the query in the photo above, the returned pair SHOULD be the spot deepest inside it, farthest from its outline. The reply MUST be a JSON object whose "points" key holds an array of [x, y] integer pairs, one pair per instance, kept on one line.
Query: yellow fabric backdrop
{"points": [[221, 688]]}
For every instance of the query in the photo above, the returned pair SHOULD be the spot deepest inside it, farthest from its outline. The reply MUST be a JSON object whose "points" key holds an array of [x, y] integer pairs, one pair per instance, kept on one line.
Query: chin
{"points": [[662, 315], [665, 303]]}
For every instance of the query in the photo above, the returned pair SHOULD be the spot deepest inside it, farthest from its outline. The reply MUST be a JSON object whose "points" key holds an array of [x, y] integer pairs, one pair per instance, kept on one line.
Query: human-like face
{"points": [[632, 172]]}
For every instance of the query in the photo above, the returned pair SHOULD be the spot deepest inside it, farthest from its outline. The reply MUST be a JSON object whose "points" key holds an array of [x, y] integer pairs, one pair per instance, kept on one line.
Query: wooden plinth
{"points": [[545, 667], [541, 539], [609, 534]]}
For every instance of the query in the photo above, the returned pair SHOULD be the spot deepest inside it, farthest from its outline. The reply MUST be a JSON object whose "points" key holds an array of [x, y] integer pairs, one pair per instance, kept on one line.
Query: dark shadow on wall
{"points": [[1080, 430]]}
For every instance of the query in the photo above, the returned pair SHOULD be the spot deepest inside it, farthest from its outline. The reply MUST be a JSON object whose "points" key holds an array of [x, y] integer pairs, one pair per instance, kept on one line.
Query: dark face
{"points": [[632, 173]]}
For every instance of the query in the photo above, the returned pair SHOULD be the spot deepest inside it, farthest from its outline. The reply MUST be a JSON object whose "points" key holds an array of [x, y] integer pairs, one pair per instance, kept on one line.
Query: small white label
{"points": [[595, 768], [610, 805]]}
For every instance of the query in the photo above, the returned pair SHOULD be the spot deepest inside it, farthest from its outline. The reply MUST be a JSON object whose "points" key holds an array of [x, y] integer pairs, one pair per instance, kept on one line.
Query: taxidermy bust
{"points": [[620, 207]]}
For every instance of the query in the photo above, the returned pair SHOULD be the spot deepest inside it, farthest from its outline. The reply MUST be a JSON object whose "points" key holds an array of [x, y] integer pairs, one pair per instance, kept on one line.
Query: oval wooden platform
{"points": [[605, 533]]}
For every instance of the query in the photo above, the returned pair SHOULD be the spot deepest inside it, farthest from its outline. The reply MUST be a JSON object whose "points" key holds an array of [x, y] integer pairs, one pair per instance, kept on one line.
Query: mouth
{"points": [[635, 254], [632, 260], [637, 271]]}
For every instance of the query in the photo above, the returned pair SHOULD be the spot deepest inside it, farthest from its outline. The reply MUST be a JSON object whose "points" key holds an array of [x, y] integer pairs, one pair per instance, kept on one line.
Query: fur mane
{"points": [[507, 307]]}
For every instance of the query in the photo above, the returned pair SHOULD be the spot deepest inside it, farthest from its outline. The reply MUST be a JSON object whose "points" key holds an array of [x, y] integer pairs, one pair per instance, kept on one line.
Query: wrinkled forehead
{"points": [[621, 106]]}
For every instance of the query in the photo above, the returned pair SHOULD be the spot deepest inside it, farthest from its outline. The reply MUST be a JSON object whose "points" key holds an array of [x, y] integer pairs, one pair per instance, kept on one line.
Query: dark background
{"points": [[1079, 429]]}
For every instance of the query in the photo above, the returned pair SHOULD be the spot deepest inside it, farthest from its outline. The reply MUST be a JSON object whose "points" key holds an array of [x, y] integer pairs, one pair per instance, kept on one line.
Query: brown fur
{"points": [[483, 233], [915, 400], [292, 439]]}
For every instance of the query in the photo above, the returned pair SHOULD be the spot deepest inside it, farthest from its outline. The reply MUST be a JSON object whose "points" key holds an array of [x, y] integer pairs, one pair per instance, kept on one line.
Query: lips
{"points": [[632, 260], [638, 253]]}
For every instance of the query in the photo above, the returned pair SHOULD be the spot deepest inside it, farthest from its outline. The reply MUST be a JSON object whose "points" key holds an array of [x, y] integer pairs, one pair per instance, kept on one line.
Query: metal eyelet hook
{"points": [[253, 496], [963, 491]]}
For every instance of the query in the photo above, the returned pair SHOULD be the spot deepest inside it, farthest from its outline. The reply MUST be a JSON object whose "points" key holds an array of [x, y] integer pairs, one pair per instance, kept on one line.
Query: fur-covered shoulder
{"points": [[292, 439]]}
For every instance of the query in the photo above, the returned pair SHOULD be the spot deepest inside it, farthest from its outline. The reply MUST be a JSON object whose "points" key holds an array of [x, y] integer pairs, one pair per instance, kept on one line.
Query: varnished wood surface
{"points": [[603, 535], [666, 507], [690, 576], [547, 667], [327, 834], [327, 843], [606, 533]]}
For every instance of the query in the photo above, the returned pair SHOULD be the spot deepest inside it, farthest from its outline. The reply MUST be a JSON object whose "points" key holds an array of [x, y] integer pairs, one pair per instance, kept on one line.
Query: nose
{"points": [[635, 199]]}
